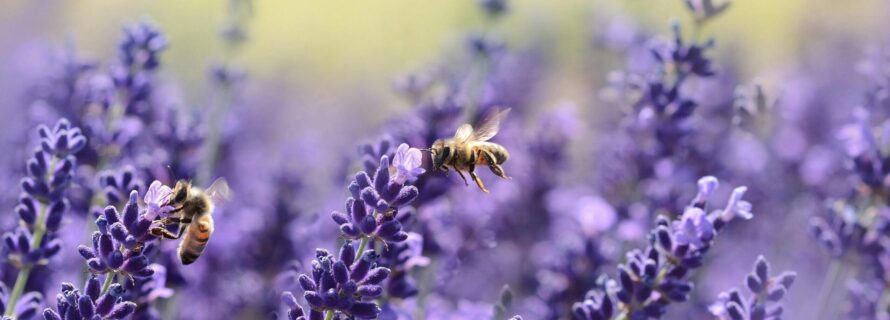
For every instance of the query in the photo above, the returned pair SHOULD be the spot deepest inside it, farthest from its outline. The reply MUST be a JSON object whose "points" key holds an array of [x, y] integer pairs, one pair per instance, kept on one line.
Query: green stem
{"points": [[17, 290], [109, 279], [39, 232], [830, 281], [329, 315], [361, 248]]}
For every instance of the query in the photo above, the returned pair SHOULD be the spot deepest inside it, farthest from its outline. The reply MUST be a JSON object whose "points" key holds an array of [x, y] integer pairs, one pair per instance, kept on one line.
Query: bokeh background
{"points": [[318, 79]]}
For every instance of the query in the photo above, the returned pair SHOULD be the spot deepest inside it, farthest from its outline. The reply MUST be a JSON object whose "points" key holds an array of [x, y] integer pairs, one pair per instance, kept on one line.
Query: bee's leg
{"points": [[461, 174], [473, 175], [166, 234], [494, 166], [171, 220], [161, 232]]}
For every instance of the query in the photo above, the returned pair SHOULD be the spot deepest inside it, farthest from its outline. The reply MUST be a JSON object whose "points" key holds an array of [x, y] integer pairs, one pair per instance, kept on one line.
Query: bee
{"points": [[470, 147], [192, 209]]}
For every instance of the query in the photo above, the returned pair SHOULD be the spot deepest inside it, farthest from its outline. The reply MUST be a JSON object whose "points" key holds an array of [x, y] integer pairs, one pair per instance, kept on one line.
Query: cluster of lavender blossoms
{"points": [[122, 244], [122, 247], [345, 285], [766, 294], [659, 275], [373, 210], [41, 208], [376, 211], [93, 303]]}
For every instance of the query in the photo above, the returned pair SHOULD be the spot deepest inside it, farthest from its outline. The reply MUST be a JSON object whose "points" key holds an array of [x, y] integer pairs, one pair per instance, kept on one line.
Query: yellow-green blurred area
{"points": [[327, 53]]}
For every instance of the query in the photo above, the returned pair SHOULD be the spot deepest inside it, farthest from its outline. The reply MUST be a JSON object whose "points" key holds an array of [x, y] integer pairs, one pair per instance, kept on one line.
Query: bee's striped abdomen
{"points": [[195, 239], [498, 152]]}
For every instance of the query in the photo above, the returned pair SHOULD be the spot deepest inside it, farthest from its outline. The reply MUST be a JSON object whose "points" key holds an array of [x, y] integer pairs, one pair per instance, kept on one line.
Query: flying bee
{"points": [[192, 209], [470, 147]]}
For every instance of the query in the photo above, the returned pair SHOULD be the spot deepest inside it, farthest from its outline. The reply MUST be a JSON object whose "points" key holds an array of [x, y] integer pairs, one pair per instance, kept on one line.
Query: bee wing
{"points": [[489, 125], [464, 132], [219, 191]]}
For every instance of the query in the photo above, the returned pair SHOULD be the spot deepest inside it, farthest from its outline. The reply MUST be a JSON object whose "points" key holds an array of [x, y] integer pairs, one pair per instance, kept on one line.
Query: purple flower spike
{"points": [[731, 304], [50, 171], [654, 277], [122, 247], [72, 304], [336, 289]]}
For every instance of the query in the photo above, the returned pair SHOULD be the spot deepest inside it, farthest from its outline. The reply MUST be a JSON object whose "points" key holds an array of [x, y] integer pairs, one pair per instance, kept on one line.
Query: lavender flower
{"points": [[407, 163], [91, 303], [156, 200], [597, 305], [43, 202], [374, 208], [653, 278], [371, 153], [138, 54], [342, 284], [765, 300], [854, 227], [663, 103], [117, 185], [121, 245], [141, 45], [659, 148]]}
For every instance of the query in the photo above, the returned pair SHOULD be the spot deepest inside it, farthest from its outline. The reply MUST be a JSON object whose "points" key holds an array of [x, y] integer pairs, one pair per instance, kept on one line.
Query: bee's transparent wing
{"points": [[219, 191], [464, 132], [489, 125]]}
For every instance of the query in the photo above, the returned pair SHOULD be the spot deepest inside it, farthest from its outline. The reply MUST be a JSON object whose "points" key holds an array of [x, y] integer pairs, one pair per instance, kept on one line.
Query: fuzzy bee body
{"points": [[198, 232], [469, 148], [195, 208]]}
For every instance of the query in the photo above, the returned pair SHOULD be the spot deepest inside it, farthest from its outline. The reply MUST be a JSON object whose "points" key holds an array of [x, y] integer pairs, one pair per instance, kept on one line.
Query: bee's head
{"points": [[180, 192], [439, 153]]}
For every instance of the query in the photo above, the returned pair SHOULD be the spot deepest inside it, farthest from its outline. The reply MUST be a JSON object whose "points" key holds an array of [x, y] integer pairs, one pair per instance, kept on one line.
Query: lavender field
{"points": [[461, 159]]}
